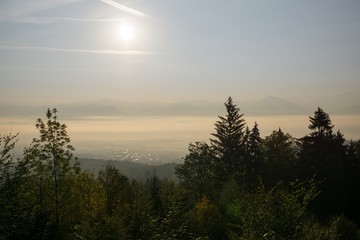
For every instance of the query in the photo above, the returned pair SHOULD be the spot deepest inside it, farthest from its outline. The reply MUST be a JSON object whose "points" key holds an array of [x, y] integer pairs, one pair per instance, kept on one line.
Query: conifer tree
{"points": [[254, 162], [246, 141], [280, 155], [320, 124], [228, 142], [322, 155], [255, 142]]}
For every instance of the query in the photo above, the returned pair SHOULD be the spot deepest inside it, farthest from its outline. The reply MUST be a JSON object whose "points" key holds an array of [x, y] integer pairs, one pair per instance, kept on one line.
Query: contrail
{"points": [[124, 8], [76, 50]]}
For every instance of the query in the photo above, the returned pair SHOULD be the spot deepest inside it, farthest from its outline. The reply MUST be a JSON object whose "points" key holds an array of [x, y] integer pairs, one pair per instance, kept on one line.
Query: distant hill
{"points": [[273, 106], [342, 104], [132, 170], [67, 110], [89, 109], [119, 108], [9, 110]]}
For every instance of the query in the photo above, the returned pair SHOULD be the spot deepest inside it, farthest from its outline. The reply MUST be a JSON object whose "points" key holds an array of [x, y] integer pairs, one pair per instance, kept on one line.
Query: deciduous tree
{"points": [[196, 173], [53, 164]]}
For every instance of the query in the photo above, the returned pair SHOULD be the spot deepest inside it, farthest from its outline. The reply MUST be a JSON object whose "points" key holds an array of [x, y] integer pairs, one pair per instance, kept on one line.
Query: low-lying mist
{"points": [[156, 139]]}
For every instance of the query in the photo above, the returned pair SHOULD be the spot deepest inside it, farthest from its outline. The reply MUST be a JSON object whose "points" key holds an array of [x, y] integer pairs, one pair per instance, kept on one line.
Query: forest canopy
{"points": [[236, 186]]}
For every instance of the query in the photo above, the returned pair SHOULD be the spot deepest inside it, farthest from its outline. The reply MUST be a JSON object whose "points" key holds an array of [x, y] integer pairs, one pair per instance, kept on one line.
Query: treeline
{"points": [[132, 169], [237, 186]]}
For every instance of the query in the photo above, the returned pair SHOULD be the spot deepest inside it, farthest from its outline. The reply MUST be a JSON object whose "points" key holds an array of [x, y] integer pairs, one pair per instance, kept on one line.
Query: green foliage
{"points": [[276, 214], [338, 228], [112, 228], [174, 222], [45, 195], [8, 186], [346, 229], [117, 189], [197, 171], [140, 208], [154, 184], [52, 152], [52, 168], [7, 145], [88, 208], [207, 220]]}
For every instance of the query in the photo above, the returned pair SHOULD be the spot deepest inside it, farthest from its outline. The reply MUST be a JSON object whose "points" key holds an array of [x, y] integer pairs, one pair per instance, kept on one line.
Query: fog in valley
{"points": [[157, 139]]}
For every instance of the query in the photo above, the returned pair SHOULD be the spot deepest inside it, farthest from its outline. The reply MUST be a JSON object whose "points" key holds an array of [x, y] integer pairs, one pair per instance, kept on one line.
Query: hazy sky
{"points": [[55, 51]]}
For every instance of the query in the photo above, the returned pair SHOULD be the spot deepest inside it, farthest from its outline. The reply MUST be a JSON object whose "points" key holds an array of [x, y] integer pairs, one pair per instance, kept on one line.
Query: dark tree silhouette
{"points": [[352, 180], [255, 161], [322, 155], [280, 156], [10, 183], [228, 143], [320, 124]]}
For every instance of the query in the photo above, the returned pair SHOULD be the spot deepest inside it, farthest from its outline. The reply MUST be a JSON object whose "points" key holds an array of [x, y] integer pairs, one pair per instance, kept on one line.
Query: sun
{"points": [[126, 32]]}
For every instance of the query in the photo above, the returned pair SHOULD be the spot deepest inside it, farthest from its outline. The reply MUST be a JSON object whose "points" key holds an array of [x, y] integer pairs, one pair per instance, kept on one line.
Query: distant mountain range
{"points": [[109, 107], [273, 106]]}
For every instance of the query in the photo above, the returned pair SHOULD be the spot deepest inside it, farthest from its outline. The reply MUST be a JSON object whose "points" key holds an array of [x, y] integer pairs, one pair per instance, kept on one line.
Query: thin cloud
{"points": [[124, 8], [48, 20], [87, 19], [58, 69], [77, 50], [18, 8]]}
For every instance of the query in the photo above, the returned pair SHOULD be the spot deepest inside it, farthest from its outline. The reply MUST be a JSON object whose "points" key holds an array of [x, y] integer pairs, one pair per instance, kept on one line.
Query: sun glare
{"points": [[126, 32]]}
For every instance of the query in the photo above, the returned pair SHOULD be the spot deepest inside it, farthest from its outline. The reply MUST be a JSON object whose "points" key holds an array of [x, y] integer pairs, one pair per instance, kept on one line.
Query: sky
{"points": [[62, 51]]}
